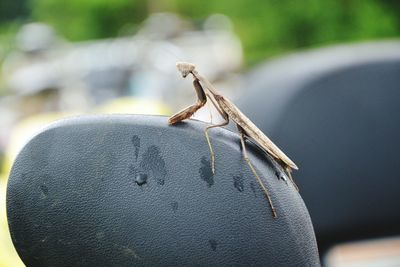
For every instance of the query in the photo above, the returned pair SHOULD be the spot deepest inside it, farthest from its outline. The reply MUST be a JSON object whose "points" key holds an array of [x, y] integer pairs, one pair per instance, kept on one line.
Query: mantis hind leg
{"points": [[253, 170]]}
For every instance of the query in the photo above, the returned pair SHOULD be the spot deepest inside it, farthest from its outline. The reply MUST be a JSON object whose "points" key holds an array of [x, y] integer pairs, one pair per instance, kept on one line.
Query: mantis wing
{"points": [[252, 131]]}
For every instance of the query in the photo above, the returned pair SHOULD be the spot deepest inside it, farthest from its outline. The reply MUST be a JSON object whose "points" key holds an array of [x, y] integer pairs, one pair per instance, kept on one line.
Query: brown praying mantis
{"points": [[205, 90]]}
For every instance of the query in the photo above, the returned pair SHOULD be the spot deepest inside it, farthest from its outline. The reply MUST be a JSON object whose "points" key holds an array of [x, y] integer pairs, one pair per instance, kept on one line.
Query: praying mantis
{"points": [[247, 129]]}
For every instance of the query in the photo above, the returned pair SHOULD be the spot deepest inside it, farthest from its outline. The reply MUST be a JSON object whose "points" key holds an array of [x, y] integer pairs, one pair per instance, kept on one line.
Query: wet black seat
{"points": [[127, 190]]}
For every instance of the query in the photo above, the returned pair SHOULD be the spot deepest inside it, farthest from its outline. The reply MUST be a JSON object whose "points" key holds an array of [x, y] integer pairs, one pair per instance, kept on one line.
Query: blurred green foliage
{"points": [[89, 19], [7, 36], [13, 10], [266, 27], [271, 27], [12, 15]]}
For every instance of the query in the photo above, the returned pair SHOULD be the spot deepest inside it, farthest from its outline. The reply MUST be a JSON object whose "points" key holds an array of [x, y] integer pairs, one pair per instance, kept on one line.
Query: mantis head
{"points": [[185, 68]]}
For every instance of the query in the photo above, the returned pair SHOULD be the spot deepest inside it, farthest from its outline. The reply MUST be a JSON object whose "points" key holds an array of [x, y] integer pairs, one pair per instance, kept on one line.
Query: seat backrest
{"points": [[336, 112], [126, 190]]}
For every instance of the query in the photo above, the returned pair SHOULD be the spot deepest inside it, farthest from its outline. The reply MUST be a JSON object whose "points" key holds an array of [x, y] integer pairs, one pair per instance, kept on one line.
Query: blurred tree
{"points": [[82, 20], [12, 14], [271, 27], [266, 28], [11, 10], [395, 6]]}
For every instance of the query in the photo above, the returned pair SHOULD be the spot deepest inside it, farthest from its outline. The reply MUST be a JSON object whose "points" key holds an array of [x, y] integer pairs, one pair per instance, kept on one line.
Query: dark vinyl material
{"points": [[127, 190], [342, 128]]}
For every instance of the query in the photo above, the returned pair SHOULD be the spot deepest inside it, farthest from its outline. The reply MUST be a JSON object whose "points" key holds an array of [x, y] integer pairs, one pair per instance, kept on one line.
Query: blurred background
{"points": [[65, 58]]}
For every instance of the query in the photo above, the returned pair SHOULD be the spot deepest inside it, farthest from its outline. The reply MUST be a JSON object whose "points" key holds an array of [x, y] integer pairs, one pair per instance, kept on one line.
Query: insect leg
{"points": [[246, 157], [185, 113], [189, 111], [226, 117], [210, 111], [209, 142]]}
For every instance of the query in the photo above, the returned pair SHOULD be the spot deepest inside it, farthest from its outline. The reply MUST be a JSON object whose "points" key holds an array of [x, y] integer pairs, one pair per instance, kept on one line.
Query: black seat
{"points": [[336, 112], [128, 190]]}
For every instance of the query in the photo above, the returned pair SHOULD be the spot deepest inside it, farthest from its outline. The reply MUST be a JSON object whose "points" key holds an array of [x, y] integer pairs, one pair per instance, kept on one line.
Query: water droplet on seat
{"points": [[141, 178]]}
